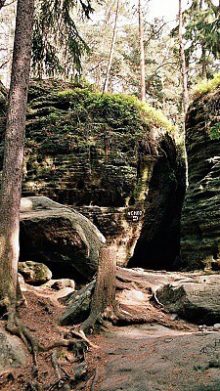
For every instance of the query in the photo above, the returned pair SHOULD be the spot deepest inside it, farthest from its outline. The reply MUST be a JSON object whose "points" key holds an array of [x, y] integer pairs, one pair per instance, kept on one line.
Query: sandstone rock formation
{"points": [[197, 300], [54, 234], [201, 214], [114, 161]]}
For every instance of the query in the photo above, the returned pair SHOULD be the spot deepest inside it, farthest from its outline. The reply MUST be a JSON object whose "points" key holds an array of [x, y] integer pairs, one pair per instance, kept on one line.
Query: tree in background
{"points": [[183, 61], [57, 43], [201, 35], [142, 54], [111, 53], [7, 27], [202, 32]]}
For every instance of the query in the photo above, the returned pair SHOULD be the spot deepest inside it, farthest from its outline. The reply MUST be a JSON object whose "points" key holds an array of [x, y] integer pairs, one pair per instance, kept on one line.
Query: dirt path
{"points": [[155, 358], [164, 354]]}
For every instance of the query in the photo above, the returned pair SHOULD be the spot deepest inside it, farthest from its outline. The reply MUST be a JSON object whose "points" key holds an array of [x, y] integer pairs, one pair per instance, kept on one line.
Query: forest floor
{"points": [[171, 355]]}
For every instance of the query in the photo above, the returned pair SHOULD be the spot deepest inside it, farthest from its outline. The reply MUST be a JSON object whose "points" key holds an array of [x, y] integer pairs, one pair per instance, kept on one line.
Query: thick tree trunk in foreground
{"points": [[142, 55], [114, 35], [183, 61], [13, 153], [104, 294]]}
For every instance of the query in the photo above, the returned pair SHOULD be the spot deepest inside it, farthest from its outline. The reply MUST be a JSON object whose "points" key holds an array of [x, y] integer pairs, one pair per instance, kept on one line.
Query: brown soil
{"points": [[41, 316], [162, 354], [154, 358]]}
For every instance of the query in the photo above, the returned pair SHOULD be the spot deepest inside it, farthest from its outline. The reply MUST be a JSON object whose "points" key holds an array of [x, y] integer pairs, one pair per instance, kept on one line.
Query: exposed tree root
{"points": [[136, 302], [69, 342], [94, 380], [15, 327], [56, 365]]}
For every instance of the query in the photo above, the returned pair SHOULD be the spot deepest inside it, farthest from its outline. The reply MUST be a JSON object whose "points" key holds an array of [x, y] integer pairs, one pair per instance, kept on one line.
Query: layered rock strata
{"points": [[201, 214], [56, 235], [117, 164]]}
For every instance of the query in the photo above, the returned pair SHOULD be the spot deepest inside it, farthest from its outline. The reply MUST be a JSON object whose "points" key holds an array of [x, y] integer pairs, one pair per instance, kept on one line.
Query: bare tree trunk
{"points": [[142, 54], [109, 12], [114, 35], [13, 153], [2, 3], [104, 294], [204, 65], [203, 57], [183, 61]]}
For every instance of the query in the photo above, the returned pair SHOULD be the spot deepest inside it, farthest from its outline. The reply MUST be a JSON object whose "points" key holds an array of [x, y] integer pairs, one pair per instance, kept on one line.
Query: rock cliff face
{"points": [[112, 160], [201, 213]]}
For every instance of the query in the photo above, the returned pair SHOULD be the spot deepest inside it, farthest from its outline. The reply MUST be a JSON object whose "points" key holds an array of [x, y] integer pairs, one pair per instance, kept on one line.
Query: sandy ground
{"points": [[169, 356], [156, 358]]}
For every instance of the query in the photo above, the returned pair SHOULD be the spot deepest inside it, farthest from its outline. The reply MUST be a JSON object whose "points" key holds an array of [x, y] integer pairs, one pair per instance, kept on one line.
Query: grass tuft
{"points": [[206, 86]]}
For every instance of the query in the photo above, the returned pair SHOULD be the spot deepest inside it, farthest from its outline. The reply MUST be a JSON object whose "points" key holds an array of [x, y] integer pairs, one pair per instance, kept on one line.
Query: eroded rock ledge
{"points": [[201, 213]]}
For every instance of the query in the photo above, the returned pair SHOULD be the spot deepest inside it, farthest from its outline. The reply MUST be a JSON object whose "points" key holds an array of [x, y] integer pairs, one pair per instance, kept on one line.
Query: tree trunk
{"points": [[104, 294], [2, 3], [114, 35], [203, 57], [13, 153], [142, 54], [183, 61]]}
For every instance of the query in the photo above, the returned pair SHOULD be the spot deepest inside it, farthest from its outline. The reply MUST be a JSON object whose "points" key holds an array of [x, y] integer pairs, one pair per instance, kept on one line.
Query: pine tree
{"points": [[183, 60], [142, 56], [111, 53]]}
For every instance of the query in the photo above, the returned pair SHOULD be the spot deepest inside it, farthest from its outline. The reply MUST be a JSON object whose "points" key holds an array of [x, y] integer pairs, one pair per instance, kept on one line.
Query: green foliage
{"points": [[202, 36], [203, 27], [117, 109], [206, 86], [56, 36], [155, 117], [215, 132]]}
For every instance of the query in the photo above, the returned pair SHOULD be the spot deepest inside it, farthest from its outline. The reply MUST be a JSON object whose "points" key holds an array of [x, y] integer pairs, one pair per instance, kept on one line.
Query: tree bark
{"points": [[104, 294], [183, 61], [13, 153], [142, 54], [114, 35], [2, 3], [203, 57]]}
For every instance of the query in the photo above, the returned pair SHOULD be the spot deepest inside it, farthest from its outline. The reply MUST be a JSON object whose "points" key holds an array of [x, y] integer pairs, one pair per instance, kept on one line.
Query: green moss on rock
{"points": [[206, 86], [106, 154], [201, 213]]}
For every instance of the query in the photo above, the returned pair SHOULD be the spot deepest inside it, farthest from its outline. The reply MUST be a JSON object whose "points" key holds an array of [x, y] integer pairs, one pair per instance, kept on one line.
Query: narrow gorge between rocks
{"points": [[109, 195], [101, 170], [110, 181]]}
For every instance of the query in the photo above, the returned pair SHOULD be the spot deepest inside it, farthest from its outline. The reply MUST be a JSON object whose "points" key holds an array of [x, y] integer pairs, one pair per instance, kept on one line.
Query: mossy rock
{"points": [[200, 243], [34, 273], [106, 154]]}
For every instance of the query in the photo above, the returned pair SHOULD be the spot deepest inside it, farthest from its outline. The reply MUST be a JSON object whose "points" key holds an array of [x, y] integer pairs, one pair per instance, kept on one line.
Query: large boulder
{"points": [[54, 234], [12, 354], [200, 245], [197, 300]]}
